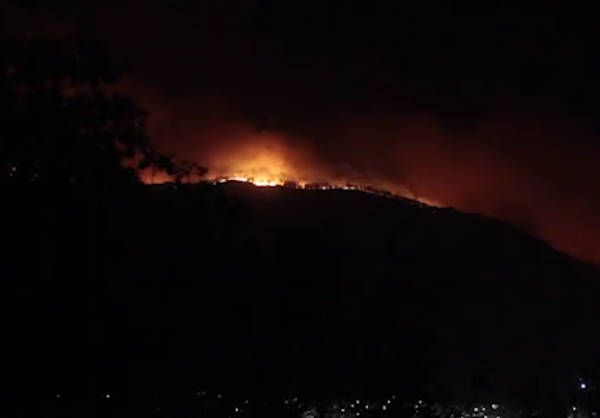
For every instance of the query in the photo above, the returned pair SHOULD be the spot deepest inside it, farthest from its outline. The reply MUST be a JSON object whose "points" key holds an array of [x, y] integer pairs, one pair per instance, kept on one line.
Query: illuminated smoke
{"points": [[519, 168]]}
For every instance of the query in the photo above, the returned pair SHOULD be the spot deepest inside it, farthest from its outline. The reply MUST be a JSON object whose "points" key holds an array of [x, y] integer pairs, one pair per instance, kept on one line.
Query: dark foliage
{"points": [[59, 122]]}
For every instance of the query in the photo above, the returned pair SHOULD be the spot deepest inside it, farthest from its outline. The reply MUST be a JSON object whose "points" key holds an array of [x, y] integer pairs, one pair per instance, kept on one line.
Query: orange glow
{"points": [[261, 181], [154, 177], [273, 164], [264, 161]]}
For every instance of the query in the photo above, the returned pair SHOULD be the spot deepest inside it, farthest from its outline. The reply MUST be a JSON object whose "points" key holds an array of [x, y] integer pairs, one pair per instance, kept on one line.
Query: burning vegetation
{"points": [[272, 164]]}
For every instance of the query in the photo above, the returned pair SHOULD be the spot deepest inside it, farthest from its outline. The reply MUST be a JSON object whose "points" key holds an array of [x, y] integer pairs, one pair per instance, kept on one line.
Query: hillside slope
{"points": [[278, 290]]}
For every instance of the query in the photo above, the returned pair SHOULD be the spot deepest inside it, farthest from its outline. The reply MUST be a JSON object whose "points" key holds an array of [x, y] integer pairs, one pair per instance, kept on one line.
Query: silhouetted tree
{"points": [[60, 124]]}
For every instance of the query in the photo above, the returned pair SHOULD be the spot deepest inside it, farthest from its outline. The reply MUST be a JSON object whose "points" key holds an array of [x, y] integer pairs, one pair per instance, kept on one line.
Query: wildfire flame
{"points": [[265, 163], [271, 164]]}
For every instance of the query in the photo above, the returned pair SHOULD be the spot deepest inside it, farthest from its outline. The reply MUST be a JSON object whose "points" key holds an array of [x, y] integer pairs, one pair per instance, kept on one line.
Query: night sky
{"points": [[488, 109]]}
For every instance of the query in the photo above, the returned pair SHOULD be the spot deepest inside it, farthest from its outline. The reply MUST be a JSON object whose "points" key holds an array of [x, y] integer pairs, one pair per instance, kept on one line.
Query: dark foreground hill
{"points": [[251, 290]]}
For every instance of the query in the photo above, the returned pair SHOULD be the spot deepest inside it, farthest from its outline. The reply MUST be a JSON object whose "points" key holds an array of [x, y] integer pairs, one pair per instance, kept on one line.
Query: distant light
{"points": [[574, 408], [107, 395], [58, 396], [343, 410], [389, 402], [358, 414], [494, 406], [384, 407], [476, 409], [358, 401], [237, 409], [367, 406], [582, 385], [219, 396]]}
